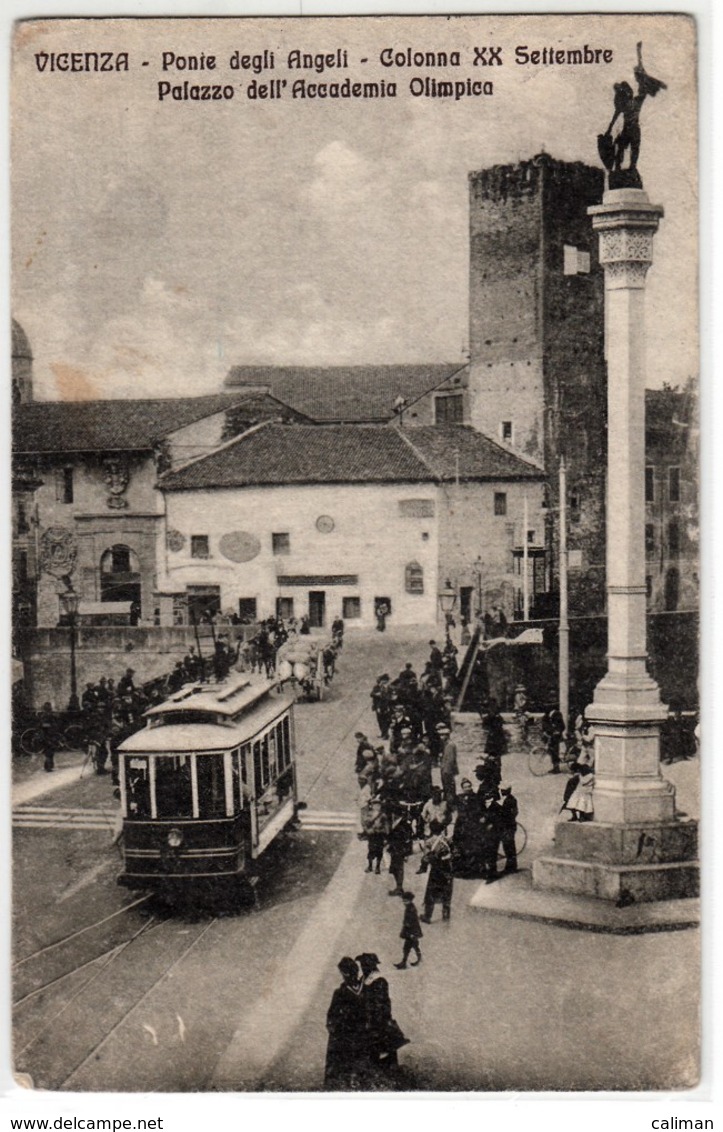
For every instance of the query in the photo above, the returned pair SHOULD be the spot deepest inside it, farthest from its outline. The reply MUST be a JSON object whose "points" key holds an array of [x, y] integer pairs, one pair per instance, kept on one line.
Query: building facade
{"points": [[334, 521]]}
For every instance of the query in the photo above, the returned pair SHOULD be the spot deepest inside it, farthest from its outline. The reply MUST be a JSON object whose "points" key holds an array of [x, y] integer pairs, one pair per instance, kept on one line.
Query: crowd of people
{"points": [[111, 710], [408, 787]]}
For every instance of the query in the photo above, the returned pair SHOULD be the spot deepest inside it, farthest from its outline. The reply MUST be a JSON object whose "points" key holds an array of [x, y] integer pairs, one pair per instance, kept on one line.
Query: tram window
{"points": [[265, 761], [174, 798], [273, 753], [238, 798], [138, 790], [211, 794], [287, 738], [282, 755], [258, 781]]}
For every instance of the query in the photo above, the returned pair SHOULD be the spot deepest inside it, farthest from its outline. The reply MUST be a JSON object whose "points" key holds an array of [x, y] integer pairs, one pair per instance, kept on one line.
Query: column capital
{"points": [[627, 222]]}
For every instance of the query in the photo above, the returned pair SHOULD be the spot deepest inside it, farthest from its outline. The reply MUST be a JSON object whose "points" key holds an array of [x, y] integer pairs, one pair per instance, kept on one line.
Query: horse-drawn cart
{"points": [[300, 661]]}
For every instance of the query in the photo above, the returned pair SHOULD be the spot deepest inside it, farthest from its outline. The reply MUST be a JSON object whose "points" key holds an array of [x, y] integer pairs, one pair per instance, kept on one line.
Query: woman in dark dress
{"points": [[346, 1022], [465, 842], [384, 1037]]}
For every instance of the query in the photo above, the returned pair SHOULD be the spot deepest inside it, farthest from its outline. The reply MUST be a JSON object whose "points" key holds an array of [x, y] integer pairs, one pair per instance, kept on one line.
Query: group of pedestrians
{"points": [[408, 791]]}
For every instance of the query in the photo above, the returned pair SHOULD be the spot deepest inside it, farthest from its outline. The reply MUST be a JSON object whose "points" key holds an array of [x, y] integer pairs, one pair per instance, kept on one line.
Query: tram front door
{"points": [[317, 608]]}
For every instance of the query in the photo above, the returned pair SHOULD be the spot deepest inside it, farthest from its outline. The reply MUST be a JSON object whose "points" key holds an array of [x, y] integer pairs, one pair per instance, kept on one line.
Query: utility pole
{"points": [[564, 628], [525, 578]]}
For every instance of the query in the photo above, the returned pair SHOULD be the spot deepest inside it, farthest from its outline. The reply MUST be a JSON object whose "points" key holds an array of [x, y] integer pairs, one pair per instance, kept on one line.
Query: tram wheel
{"points": [[244, 893]]}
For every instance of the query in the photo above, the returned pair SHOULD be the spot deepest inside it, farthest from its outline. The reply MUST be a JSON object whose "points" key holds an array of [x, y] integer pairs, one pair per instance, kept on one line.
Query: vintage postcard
{"points": [[355, 555]]}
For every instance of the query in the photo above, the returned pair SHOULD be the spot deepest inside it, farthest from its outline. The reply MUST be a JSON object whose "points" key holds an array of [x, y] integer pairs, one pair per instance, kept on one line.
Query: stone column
{"points": [[634, 849], [626, 709]]}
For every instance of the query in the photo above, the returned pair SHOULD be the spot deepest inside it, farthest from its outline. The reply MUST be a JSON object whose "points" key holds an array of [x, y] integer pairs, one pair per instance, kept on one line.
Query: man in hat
{"points": [[490, 833], [362, 745], [436, 660], [438, 857], [508, 827], [448, 765], [382, 704], [399, 847]]}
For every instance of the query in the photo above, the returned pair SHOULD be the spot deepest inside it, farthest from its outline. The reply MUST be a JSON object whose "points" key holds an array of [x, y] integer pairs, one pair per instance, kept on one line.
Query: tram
{"points": [[206, 786]]}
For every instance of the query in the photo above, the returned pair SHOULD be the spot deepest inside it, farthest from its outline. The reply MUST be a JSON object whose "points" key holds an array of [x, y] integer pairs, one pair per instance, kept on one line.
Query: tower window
{"points": [[649, 540], [506, 430], [575, 261], [575, 505], [500, 503], [281, 542], [674, 485], [650, 484]]}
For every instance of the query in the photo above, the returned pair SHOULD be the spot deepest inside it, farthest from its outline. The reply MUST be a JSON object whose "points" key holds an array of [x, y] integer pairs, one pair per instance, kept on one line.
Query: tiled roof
{"points": [[458, 450], [288, 454], [362, 394], [275, 455], [98, 426]]}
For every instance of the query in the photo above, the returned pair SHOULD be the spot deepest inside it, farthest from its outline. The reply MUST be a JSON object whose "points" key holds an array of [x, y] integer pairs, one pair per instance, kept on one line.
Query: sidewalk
{"points": [[30, 780]]}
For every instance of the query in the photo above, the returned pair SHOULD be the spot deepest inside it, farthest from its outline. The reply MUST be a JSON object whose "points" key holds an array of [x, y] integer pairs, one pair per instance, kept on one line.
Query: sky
{"points": [[157, 244]]}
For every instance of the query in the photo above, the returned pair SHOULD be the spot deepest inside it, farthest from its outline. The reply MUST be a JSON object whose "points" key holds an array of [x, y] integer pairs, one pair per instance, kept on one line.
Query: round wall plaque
{"points": [[325, 524], [239, 546], [175, 541]]}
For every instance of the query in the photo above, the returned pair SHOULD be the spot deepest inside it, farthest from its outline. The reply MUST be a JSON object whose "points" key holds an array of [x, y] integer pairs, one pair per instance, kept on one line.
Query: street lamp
{"points": [[70, 602], [447, 600]]}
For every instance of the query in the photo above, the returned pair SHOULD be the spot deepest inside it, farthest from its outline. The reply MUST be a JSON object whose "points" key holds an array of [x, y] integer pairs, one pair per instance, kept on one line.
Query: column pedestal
{"points": [[634, 849]]}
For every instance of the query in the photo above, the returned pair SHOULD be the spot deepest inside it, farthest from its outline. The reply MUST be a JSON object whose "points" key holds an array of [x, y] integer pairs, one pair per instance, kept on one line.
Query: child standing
{"points": [[411, 932]]}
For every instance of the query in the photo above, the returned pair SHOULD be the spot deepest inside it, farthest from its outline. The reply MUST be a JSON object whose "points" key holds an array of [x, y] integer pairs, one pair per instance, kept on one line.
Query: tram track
{"points": [[93, 1053], [62, 958], [120, 980]]}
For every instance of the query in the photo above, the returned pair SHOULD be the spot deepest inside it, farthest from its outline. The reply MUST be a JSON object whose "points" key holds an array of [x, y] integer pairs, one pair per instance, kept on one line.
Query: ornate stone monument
{"points": [[634, 849]]}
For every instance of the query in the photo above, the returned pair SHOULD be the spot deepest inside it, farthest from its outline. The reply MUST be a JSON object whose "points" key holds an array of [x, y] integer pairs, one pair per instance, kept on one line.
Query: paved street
{"points": [[143, 1001]]}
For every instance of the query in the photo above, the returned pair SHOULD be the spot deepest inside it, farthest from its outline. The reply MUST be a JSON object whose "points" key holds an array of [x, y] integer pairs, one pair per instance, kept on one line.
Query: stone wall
{"points": [[105, 651]]}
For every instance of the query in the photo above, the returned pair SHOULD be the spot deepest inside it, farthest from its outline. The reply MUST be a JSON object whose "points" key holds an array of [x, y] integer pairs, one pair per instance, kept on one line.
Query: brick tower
{"points": [[537, 368]]}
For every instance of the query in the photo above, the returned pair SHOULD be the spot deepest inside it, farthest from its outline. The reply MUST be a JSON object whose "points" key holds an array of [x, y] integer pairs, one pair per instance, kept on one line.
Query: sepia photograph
{"points": [[355, 555]]}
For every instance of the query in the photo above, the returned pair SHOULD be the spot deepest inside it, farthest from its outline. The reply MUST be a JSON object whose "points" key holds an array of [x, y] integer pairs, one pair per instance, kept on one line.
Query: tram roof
{"points": [[186, 738], [230, 698]]}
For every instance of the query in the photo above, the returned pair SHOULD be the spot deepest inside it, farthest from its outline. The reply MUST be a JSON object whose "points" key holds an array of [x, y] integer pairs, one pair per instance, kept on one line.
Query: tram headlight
{"points": [[175, 838]]}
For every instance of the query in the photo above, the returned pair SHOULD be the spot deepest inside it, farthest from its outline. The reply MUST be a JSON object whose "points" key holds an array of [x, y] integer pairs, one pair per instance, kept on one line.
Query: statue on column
{"points": [[627, 105]]}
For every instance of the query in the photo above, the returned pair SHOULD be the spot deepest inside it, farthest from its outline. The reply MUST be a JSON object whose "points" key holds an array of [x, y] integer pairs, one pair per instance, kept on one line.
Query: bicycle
{"points": [[66, 738], [520, 842], [539, 756]]}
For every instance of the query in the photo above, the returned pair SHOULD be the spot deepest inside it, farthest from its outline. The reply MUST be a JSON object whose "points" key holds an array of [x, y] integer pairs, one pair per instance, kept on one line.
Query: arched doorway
{"points": [[120, 577], [672, 589]]}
